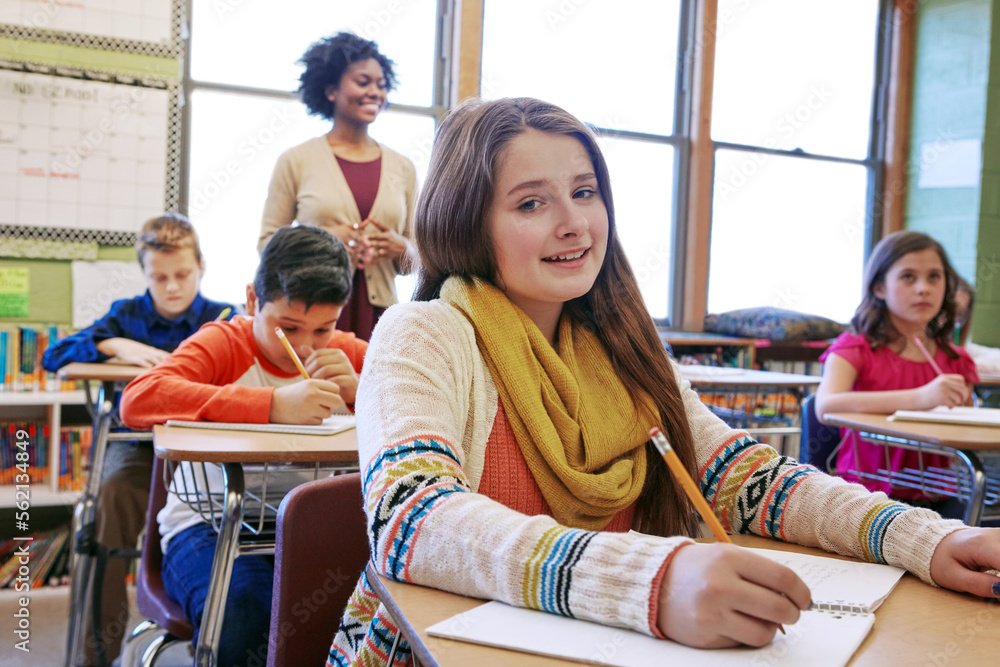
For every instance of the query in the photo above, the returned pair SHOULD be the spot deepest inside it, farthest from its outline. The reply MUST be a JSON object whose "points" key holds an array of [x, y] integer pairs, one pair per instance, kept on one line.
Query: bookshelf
{"points": [[711, 349], [46, 407]]}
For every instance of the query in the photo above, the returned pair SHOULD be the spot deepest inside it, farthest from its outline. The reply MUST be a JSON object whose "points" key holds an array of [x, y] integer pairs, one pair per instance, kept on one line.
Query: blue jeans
{"points": [[187, 568]]}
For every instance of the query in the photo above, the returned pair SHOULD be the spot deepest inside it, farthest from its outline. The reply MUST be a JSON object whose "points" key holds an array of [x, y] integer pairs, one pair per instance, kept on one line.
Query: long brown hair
{"points": [[454, 240], [871, 319]]}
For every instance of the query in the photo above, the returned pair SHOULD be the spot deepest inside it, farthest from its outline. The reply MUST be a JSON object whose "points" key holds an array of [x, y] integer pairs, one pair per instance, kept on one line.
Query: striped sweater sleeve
{"points": [[753, 489], [416, 403]]}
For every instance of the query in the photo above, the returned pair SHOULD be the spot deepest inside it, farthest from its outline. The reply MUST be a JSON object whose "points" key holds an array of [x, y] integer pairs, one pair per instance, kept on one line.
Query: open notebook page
{"points": [[834, 581], [957, 415], [819, 639]]}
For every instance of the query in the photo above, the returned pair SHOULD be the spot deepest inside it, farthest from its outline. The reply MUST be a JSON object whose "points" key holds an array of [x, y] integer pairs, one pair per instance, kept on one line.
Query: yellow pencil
{"points": [[291, 352], [700, 504], [698, 500]]}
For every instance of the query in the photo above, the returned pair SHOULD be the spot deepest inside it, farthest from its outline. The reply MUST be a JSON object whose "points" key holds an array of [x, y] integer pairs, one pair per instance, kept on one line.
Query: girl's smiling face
{"points": [[548, 223]]}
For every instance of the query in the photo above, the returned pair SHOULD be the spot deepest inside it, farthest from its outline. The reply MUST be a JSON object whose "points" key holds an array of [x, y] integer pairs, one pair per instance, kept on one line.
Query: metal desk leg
{"points": [[977, 494], [207, 653], [83, 530]]}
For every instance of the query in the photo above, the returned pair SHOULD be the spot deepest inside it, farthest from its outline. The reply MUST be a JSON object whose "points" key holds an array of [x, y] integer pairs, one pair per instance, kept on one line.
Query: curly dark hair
{"points": [[871, 319], [326, 61]]}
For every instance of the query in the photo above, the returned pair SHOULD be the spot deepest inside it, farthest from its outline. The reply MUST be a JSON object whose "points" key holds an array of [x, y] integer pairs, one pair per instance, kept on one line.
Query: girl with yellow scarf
{"points": [[503, 421]]}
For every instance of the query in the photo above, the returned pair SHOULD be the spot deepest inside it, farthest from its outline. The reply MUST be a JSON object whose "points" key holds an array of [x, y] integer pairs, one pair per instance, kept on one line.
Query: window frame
{"points": [[444, 44], [885, 128]]}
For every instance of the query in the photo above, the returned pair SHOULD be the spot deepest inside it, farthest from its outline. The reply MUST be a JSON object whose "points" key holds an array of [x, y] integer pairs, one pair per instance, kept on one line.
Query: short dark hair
{"points": [[305, 264], [166, 233], [325, 62]]}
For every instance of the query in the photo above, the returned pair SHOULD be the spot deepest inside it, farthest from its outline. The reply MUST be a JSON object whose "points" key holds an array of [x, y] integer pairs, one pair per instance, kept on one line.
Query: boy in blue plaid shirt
{"points": [[139, 331]]}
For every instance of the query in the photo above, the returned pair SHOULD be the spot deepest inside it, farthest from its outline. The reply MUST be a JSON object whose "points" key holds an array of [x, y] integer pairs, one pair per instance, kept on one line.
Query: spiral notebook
{"points": [[845, 594]]}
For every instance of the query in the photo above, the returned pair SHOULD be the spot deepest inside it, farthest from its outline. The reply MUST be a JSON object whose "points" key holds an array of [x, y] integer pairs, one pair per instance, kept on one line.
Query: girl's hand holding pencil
{"points": [[947, 389], [718, 595]]}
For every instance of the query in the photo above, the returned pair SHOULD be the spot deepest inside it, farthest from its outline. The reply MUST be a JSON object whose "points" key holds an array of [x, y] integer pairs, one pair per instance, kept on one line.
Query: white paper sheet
{"points": [[96, 285]]}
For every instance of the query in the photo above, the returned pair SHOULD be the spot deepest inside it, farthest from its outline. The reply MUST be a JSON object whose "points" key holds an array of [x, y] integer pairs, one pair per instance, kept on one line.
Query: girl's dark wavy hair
{"points": [[871, 319], [325, 62], [454, 240]]}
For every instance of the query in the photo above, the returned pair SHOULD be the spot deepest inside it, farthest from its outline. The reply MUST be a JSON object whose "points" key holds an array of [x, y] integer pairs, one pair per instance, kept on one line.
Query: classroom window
{"points": [[242, 113], [798, 153], [613, 65]]}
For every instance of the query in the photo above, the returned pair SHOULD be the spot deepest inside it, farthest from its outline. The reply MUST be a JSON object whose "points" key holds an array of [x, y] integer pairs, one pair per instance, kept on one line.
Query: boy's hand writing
{"points": [[305, 402], [333, 365], [719, 595], [949, 390], [132, 352]]}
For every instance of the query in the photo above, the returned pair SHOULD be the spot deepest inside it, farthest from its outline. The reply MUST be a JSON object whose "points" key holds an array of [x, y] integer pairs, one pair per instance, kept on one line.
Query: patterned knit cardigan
{"points": [[426, 407]]}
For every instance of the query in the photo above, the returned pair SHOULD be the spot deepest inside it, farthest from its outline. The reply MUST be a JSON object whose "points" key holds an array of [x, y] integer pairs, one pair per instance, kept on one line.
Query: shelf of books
{"points": [[708, 349], [48, 554], [37, 449]]}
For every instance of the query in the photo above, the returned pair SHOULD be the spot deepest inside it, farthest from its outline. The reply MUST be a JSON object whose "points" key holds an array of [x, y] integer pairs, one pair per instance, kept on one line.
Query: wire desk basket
{"points": [[201, 487], [955, 481]]}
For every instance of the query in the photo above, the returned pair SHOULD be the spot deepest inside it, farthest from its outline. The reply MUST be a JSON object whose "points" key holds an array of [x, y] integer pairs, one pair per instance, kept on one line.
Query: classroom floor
{"points": [[49, 619]]}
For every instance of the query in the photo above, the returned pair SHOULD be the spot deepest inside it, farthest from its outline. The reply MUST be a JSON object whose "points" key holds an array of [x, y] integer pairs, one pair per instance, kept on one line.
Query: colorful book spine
{"points": [[4, 360]]}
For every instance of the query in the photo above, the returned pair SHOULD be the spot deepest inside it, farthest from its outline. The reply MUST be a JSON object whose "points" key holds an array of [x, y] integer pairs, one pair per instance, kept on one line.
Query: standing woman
{"points": [[346, 182]]}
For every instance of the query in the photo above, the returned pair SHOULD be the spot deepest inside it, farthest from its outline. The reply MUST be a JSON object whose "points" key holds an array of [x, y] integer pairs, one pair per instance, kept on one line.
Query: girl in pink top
{"points": [[878, 368]]}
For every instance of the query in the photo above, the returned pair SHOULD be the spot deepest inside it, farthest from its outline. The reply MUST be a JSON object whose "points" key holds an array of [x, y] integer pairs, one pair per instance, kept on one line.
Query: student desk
{"points": [[728, 380], [965, 443], [725, 378], [101, 409], [231, 450], [916, 625]]}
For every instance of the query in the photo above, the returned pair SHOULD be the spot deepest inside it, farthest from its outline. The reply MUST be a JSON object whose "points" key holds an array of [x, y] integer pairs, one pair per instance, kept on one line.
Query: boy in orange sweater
{"points": [[239, 371]]}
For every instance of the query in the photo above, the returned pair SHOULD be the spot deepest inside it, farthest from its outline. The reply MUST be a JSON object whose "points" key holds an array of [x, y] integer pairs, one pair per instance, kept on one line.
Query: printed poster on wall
{"points": [[80, 153], [133, 20], [13, 292]]}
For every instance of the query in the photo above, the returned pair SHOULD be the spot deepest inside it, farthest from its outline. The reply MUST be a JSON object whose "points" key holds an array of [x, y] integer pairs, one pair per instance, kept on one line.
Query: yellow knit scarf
{"points": [[578, 429]]}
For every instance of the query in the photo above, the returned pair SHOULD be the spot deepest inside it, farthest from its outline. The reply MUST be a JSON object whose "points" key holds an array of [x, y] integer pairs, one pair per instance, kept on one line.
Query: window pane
{"points": [[611, 63], [240, 44], [235, 142], [789, 235], [791, 74], [642, 181]]}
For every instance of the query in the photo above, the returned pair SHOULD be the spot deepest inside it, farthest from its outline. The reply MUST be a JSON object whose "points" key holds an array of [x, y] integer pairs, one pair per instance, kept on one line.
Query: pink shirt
{"points": [[884, 370]]}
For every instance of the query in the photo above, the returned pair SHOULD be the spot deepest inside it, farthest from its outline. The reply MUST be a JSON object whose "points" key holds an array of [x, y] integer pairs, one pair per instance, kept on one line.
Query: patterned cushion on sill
{"points": [[773, 324]]}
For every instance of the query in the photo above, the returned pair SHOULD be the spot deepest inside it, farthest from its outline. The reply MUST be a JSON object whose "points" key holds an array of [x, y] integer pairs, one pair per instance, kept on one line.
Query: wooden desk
{"points": [[916, 625], [964, 443], [101, 409], [233, 449], [108, 372], [215, 446]]}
